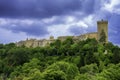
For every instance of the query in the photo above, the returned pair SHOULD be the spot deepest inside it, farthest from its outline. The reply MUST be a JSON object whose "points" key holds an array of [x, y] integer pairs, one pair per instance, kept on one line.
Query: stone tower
{"points": [[102, 26]]}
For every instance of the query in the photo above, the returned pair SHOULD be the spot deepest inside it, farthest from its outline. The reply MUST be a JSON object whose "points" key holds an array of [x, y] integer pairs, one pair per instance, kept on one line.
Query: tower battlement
{"points": [[102, 21]]}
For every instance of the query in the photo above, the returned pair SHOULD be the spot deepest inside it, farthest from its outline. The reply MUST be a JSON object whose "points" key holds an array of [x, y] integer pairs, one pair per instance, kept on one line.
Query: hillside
{"points": [[61, 60]]}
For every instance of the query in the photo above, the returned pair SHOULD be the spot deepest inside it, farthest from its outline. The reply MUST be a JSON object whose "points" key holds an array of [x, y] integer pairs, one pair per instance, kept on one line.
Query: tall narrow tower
{"points": [[102, 26]]}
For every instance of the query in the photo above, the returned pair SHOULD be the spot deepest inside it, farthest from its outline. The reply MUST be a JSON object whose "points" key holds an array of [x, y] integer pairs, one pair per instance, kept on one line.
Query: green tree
{"points": [[17, 56], [102, 37], [116, 55], [54, 75], [112, 72], [1, 46], [27, 69], [34, 74], [69, 69], [83, 77], [91, 69]]}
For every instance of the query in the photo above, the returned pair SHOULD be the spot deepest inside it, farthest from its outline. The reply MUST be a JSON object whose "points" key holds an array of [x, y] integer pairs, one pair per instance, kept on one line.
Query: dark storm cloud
{"points": [[31, 30], [88, 6], [40, 9], [35, 30], [43, 8]]}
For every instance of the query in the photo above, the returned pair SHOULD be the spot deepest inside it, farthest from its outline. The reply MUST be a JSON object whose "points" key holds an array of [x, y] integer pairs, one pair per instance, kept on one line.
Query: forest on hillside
{"points": [[61, 60]]}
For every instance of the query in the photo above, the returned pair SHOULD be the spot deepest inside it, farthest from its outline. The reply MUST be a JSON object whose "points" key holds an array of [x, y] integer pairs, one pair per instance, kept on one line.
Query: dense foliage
{"points": [[67, 60]]}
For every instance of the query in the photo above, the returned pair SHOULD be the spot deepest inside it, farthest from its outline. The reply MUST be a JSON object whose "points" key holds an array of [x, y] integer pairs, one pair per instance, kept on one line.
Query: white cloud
{"points": [[111, 6], [89, 20], [49, 20], [82, 24], [3, 21], [59, 30], [7, 36], [69, 19]]}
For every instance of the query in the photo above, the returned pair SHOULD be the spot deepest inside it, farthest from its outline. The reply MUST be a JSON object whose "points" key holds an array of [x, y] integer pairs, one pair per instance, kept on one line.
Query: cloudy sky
{"points": [[21, 19]]}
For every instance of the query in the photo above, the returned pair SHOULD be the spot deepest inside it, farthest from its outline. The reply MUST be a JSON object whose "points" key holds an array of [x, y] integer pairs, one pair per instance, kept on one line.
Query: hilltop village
{"points": [[101, 26]]}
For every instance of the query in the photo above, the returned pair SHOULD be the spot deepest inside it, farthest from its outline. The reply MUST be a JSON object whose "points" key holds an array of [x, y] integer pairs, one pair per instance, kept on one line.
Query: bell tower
{"points": [[102, 28]]}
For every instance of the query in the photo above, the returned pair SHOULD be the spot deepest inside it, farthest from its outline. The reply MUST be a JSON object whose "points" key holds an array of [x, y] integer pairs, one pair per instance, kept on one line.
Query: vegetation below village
{"points": [[67, 60]]}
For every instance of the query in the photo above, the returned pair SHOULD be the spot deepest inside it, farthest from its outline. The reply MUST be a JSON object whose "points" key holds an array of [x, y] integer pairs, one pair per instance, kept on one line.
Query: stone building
{"points": [[101, 25]]}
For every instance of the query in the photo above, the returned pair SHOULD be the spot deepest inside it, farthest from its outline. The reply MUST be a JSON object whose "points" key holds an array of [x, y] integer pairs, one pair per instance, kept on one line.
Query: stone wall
{"points": [[45, 42]]}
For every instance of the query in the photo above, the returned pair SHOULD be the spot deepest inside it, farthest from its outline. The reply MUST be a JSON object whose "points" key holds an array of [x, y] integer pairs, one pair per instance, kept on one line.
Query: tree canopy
{"points": [[61, 60]]}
